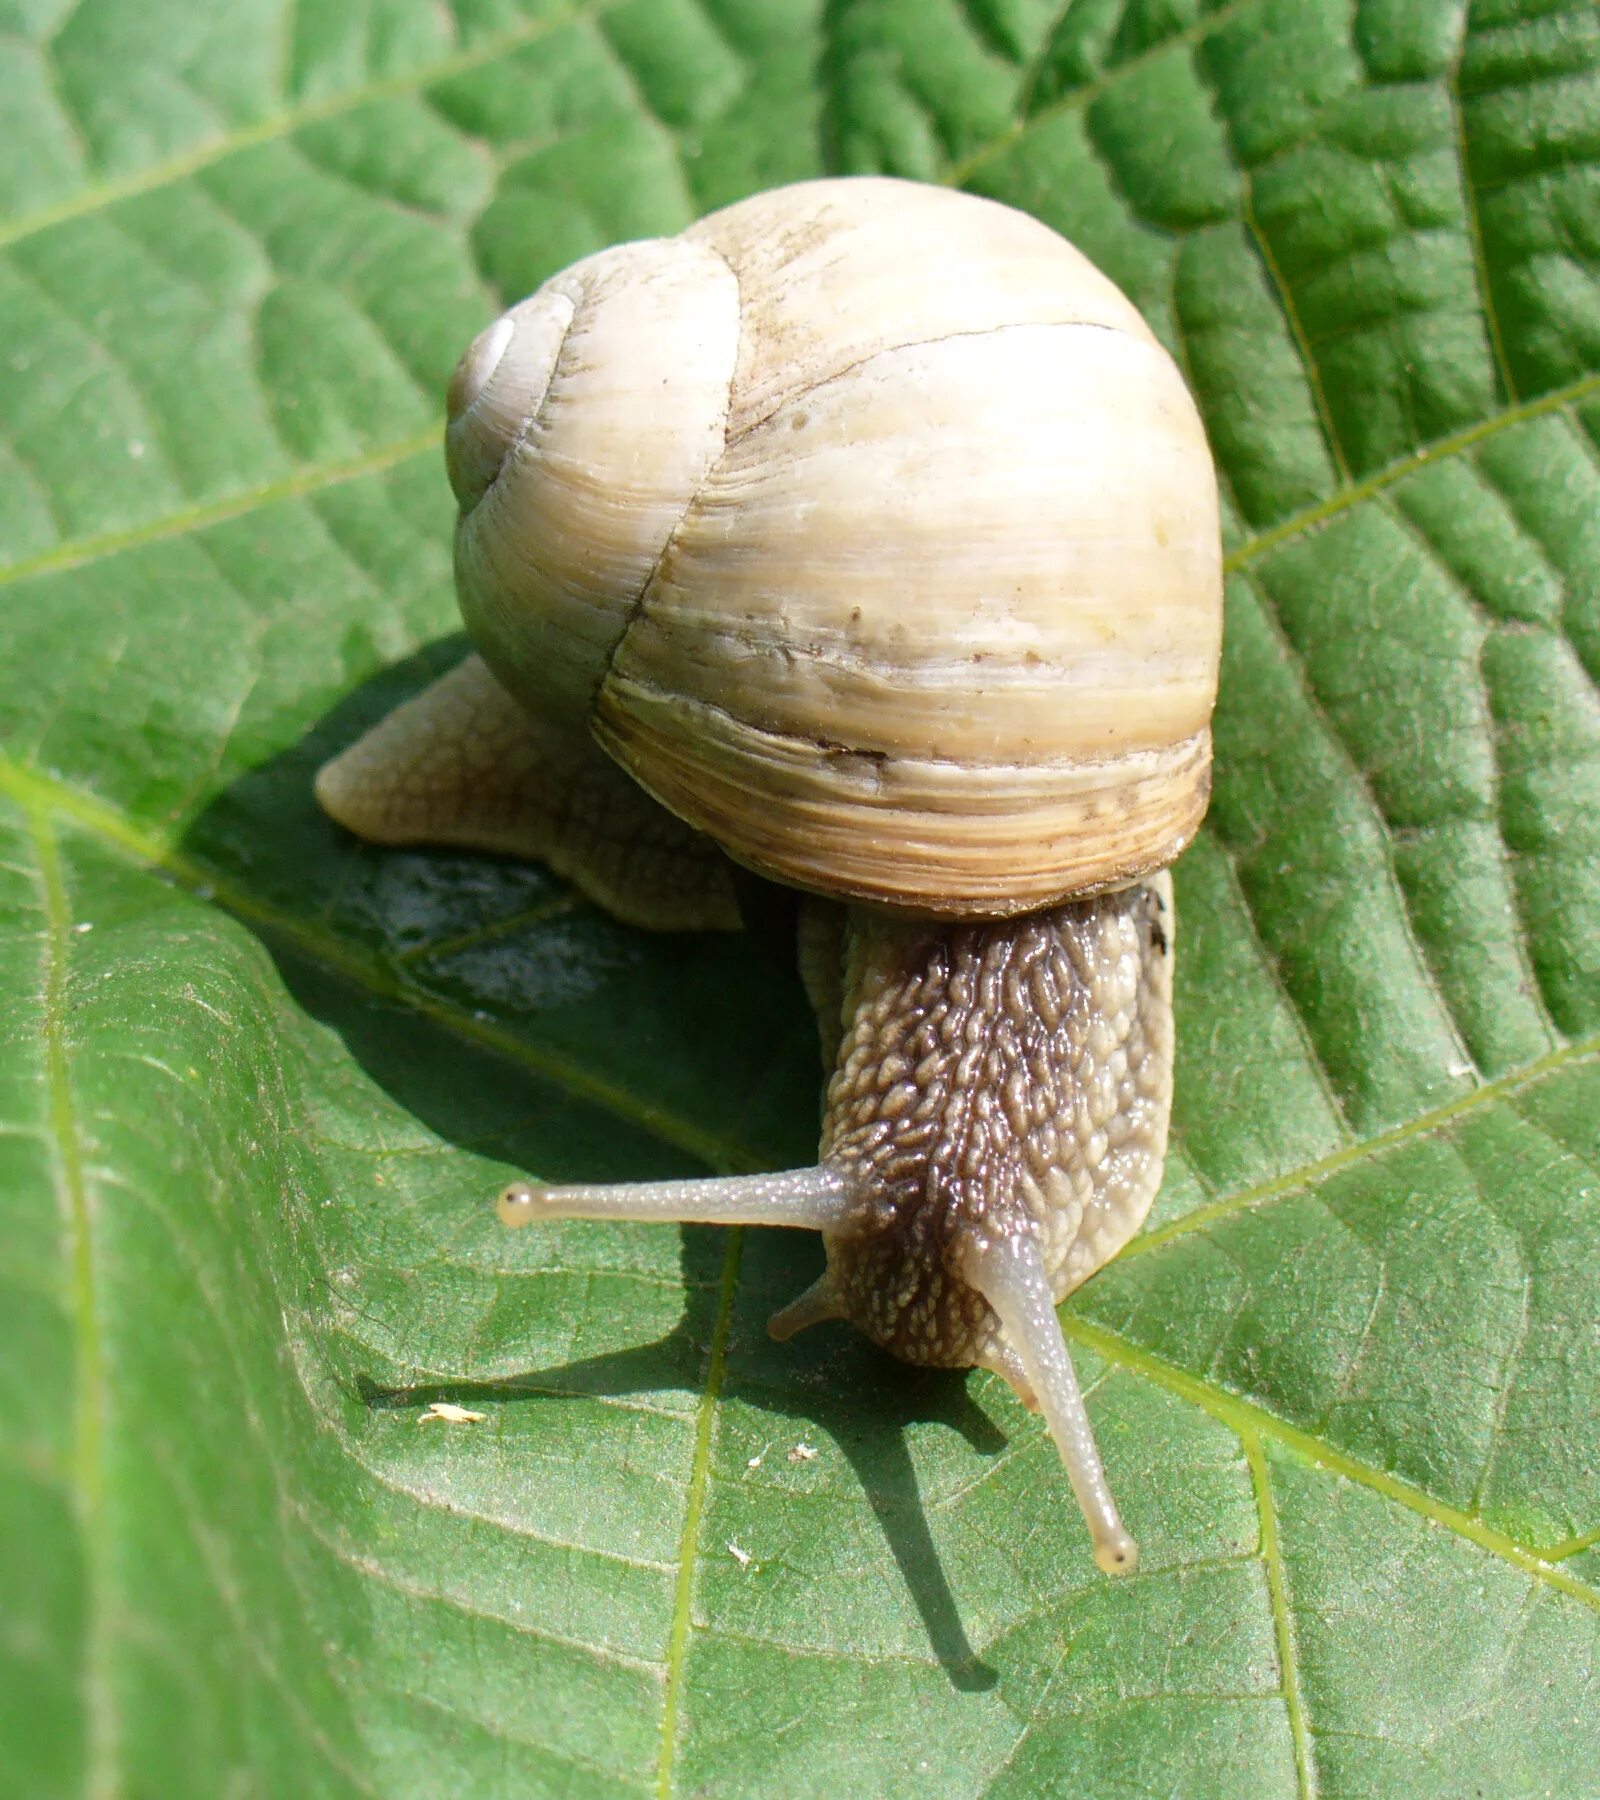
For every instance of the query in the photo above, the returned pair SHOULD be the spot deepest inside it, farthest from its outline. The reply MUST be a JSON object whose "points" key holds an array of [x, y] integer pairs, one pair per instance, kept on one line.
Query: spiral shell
{"points": [[871, 529]]}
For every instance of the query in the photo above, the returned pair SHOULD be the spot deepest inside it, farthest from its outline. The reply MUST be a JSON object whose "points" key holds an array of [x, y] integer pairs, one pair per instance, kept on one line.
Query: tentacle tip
{"points": [[817, 1303], [519, 1204], [781, 1326], [1116, 1554]]}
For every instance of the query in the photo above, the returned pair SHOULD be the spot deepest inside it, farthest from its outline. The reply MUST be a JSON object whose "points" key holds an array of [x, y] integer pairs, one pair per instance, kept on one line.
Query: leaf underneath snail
{"points": [[865, 534]]}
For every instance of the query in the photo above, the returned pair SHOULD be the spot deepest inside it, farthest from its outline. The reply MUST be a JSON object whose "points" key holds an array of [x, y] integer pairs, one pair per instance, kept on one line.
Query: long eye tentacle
{"points": [[1008, 1270], [815, 1199]]}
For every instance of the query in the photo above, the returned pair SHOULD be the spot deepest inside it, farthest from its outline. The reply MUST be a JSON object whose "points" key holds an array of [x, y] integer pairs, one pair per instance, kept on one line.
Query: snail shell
{"points": [[871, 530]]}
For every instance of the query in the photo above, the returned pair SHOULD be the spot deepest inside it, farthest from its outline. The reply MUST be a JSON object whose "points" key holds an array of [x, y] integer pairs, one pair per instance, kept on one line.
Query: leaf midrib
{"points": [[89, 1394]]}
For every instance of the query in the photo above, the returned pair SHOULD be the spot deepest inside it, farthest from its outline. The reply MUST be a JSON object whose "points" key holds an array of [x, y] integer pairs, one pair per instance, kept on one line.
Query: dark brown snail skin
{"points": [[862, 533]]}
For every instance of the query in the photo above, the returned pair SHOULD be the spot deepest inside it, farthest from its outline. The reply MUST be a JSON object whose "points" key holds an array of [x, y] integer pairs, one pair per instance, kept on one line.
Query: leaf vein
{"points": [[1243, 1416], [1469, 206], [1297, 524], [303, 482], [957, 174], [1273, 968], [1282, 1623], [367, 971], [1490, 623], [280, 125], [699, 1476], [1309, 1174], [1283, 293]]}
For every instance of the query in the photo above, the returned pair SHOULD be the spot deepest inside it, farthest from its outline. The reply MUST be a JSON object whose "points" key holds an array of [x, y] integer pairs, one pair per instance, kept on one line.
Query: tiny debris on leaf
{"points": [[804, 1453], [451, 1414], [742, 1557]]}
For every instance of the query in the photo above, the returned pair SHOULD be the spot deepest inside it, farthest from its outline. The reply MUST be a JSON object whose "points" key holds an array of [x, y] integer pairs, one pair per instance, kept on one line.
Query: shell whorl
{"points": [[921, 605], [583, 422]]}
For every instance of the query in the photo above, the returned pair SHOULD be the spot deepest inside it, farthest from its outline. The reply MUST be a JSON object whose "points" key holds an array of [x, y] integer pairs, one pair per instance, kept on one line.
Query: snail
{"points": [[864, 534]]}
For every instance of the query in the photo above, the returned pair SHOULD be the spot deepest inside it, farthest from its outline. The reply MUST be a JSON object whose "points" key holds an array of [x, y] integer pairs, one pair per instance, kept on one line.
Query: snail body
{"points": [[865, 533]]}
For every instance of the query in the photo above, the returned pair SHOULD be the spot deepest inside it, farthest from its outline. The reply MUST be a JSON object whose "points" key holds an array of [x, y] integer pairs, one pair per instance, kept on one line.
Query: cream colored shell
{"points": [[871, 529]]}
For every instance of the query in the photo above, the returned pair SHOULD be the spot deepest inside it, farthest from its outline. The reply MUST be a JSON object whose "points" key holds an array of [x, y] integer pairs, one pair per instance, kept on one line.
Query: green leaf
{"points": [[256, 1081]]}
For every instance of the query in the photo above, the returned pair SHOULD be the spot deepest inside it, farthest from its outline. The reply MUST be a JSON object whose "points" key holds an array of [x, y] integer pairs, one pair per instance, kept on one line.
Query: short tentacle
{"points": [[1000, 1359], [820, 1302]]}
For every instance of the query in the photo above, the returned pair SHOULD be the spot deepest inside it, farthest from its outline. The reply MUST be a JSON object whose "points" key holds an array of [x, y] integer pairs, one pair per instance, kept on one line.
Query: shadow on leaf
{"points": [[867, 1421], [713, 1029]]}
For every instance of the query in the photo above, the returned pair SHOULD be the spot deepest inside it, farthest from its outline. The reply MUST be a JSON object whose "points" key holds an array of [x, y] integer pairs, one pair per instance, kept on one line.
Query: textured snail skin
{"points": [[1003, 1078], [464, 764], [871, 532]]}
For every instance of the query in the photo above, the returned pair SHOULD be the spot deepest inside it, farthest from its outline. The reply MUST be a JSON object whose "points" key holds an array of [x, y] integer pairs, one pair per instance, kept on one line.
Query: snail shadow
{"points": [[319, 904], [859, 1398]]}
